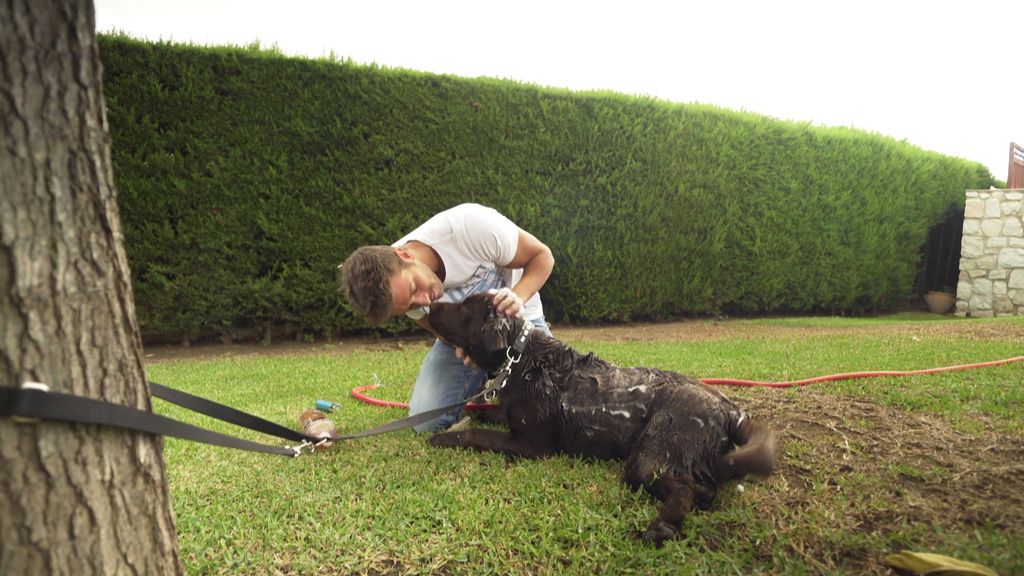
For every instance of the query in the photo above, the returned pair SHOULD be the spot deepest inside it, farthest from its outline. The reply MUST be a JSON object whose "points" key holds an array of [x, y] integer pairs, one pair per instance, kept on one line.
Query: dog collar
{"points": [[512, 355], [519, 344]]}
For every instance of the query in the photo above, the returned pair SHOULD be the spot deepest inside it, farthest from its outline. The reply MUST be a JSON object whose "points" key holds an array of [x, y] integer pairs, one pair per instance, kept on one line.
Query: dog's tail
{"points": [[754, 452]]}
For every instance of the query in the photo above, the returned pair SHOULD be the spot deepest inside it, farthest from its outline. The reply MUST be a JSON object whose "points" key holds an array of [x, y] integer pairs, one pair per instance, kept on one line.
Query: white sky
{"points": [[944, 75]]}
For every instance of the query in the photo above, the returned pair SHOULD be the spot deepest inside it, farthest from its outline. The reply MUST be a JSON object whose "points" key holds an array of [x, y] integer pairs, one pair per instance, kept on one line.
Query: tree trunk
{"points": [[74, 499]]}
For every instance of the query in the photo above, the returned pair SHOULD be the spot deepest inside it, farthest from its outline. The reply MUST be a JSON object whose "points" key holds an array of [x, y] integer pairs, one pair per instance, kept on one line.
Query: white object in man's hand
{"points": [[508, 302]]}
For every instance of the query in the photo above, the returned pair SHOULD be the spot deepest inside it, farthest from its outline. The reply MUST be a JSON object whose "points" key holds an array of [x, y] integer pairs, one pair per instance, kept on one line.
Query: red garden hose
{"points": [[357, 393], [851, 375]]}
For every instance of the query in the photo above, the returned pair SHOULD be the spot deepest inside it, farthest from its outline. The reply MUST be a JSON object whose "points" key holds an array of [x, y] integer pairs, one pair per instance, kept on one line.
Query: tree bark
{"points": [[74, 499]]}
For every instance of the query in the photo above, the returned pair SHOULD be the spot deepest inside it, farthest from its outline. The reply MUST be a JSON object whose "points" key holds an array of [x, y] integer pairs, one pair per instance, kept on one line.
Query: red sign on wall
{"points": [[1016, 176]]}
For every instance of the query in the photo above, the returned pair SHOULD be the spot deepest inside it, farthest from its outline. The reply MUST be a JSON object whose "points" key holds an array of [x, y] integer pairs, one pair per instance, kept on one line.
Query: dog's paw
{"points": [[704, 497], [446, 439], [658, 532]]}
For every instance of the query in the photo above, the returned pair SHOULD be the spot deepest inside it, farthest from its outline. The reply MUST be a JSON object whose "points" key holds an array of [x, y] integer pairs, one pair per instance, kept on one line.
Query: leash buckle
{"points": [[38, 386]]}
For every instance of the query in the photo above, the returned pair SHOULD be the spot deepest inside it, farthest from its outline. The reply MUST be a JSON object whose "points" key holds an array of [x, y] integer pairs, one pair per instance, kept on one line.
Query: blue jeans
{"points": [[444, 379]]}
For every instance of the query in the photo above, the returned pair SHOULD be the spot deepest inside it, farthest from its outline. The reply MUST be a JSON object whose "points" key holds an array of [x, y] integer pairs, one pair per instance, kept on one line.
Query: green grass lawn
{"points": [[393, 505]]}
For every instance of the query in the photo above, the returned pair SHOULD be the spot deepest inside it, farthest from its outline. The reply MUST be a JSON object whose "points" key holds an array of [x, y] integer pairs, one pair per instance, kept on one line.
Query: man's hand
{"points": [[466, 360], [508, 302]]}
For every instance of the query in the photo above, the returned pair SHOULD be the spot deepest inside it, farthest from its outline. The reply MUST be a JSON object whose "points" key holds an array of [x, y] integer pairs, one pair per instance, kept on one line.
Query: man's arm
{"points": [[536, 260]]}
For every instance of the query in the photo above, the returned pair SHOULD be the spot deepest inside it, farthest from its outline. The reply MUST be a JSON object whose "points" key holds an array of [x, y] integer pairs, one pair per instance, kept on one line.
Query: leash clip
{"points": [[324, 442], [298, 449], [497, 384], [511, 360]]}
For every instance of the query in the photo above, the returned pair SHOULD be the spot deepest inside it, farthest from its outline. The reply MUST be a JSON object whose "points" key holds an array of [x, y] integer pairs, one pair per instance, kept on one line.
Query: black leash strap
{"points": [[225, 413], [228, 414], [415, 419], [38, 404]]}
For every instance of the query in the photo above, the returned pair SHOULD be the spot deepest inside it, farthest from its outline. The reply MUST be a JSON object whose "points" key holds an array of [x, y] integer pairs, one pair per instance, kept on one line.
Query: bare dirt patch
{"points": [[883, 468]]}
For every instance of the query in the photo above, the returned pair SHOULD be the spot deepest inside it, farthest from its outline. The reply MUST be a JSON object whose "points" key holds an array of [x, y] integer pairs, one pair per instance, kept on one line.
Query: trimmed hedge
{"points": [[246, 176]]}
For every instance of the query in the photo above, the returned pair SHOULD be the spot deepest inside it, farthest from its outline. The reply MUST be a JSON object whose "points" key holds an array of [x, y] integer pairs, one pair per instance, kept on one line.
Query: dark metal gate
{"points": [[940, 264]]}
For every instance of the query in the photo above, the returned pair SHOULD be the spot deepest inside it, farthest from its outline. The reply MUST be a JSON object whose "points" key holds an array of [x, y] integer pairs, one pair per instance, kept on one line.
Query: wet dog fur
{"points": [[680, 439]]}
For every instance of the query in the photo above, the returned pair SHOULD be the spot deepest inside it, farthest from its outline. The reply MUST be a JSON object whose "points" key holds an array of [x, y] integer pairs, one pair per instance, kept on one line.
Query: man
{"points": [[462, 251]]}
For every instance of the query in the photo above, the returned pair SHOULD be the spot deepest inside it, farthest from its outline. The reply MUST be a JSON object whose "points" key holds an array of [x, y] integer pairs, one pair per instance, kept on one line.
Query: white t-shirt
{"points": [[475, 243]]}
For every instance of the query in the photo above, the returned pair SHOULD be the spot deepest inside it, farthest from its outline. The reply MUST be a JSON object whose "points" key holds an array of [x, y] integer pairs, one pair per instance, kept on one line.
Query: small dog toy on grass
{"points": [[327, 406]]}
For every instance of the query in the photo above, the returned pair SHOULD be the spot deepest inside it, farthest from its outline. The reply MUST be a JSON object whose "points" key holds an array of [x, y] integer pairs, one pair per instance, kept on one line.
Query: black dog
{"points": [[681, 439]]}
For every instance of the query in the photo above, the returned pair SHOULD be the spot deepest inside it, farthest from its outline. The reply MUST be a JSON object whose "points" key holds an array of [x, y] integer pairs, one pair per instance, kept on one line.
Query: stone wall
{"points": [[992, 254]]}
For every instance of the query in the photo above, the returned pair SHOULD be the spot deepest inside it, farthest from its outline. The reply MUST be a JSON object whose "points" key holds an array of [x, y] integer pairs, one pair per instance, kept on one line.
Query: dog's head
{"points": [[475, 326]]}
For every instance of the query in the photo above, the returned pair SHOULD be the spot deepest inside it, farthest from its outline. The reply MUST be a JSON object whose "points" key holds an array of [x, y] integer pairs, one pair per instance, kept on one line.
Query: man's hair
{"points": [[366, 281]]}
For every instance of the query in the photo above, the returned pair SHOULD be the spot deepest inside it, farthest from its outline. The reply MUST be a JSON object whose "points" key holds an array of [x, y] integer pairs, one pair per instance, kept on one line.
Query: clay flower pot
{"points": [[939, 302]]}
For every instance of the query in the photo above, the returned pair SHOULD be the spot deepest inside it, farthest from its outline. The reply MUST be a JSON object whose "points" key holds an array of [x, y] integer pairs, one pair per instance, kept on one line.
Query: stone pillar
{"points": [[992, 254]]}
